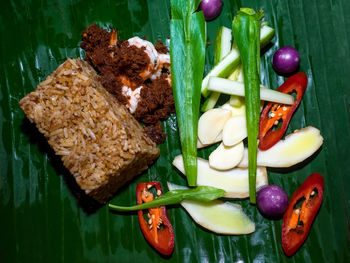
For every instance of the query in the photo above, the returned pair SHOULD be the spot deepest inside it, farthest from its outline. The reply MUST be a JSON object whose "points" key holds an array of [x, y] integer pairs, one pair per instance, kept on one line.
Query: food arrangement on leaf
{"points": [[102, 116]]}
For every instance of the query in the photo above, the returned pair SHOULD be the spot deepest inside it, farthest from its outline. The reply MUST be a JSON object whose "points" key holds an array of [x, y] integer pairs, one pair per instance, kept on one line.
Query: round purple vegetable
{"points": [[210, 8], [272, 200], [286, 60]]}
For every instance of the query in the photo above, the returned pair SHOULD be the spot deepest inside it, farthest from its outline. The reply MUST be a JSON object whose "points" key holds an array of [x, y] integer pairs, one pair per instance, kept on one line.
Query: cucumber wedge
{"points": [[237, 88], [236, 75], [210, 102], [232, 60], [218, 216], [222, 47]]}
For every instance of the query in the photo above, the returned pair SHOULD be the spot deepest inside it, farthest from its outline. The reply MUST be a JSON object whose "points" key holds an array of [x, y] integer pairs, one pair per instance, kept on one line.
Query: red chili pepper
{"points": [[157, 228], [269, 134], [301, 212]]}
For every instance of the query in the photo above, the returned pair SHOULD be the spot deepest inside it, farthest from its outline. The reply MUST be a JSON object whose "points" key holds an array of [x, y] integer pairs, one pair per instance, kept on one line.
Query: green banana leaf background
{"points": [[44, 217]]}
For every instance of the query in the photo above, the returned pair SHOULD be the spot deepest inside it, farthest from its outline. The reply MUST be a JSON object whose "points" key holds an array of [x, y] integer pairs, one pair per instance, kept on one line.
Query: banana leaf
{"points": [[44, 218]]}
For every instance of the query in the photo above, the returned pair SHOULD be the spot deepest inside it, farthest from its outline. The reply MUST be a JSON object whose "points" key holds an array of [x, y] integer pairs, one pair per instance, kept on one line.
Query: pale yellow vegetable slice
{"points": [[218, 216], [295, 148], [235, 130], [226, 157], [211, 123], [233, 181]]}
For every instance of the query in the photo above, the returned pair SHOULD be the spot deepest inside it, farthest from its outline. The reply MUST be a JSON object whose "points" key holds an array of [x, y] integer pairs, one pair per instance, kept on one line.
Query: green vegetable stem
{"points": [[200, 193], [246, 31], [187, 51]]}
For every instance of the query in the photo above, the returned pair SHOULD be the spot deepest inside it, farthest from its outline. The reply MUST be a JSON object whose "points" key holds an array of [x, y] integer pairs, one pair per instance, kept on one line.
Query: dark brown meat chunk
{"points": [[155, 132], [161, 49], [118, 62]]}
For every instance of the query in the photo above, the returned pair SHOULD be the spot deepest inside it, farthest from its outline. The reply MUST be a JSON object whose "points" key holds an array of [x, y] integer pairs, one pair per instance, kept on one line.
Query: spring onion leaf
{"points": [[200, 193], [246, 31], [187, 51]]}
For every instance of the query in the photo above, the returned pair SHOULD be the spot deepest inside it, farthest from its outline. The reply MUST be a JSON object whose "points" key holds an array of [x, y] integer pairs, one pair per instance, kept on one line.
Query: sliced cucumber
{"points": [[236, 101], [223, 69], [232, 60], [210, 102], [236, 73], [222, 45], [237, 88], [218, 216]]}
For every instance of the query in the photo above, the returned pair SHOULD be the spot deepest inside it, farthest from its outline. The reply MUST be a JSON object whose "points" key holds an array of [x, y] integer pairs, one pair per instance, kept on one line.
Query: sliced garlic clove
{"points": [[201, 145], [211, 123], [226, 157], [235, 130]]}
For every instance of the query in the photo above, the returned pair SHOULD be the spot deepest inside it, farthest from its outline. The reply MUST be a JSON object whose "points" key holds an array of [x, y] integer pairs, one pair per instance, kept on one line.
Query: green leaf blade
{"points": [[200, 193], [187, 51]]}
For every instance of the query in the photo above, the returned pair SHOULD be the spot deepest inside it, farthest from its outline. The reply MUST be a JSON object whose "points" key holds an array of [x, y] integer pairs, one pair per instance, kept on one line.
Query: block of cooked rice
{"points": [[98, 140]]}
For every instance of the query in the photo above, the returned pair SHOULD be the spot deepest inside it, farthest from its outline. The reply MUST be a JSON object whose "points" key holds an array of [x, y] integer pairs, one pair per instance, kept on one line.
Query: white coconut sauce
{"points": [[153, 71]]}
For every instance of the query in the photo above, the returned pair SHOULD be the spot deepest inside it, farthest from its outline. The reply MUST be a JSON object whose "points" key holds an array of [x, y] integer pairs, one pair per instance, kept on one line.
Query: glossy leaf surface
{"points": [[40, 217]]}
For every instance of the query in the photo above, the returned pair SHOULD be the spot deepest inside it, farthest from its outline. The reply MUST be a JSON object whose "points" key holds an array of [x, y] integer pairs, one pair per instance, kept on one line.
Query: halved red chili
{"points": [[273, 113], [301, 212], [156, 227]]}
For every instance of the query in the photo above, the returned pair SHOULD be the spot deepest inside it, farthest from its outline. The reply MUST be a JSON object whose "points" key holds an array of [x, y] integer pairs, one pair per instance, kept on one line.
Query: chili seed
{"points": [[284, 108], [159, 192]]}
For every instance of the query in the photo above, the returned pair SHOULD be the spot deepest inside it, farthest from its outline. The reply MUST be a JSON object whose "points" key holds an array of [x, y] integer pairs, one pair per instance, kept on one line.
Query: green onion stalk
{"points": [[246, 31]]}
